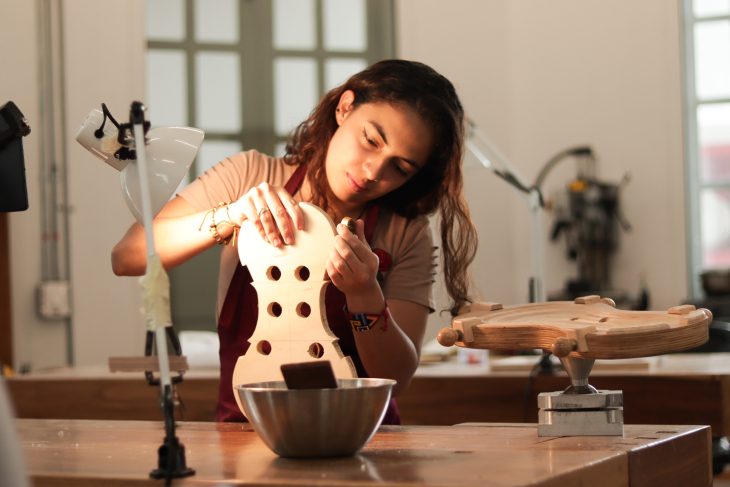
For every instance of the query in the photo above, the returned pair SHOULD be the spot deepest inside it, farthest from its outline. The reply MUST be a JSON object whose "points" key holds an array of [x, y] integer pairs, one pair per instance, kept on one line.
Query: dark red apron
{"points": [[239, 315]]}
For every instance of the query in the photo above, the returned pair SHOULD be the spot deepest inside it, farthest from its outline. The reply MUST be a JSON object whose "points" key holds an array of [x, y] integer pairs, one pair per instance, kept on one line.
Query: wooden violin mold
{"points": [[589, 327], [292, 320]]}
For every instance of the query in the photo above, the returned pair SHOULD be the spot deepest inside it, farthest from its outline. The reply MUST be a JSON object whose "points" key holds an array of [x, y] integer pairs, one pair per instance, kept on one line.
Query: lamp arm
{"points": [[497, 158]]}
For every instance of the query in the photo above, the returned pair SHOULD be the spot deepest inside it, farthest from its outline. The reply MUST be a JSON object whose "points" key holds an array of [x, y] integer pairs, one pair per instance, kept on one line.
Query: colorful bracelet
{"points": [[364, 321]]}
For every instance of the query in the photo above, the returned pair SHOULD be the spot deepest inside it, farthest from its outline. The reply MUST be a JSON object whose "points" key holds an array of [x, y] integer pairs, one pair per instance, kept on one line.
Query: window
{"points": [[247, 72], [707, 103]]}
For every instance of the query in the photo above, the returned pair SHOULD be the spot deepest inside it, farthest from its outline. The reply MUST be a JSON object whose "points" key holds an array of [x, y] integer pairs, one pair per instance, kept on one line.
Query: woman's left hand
{"points": [[353, 268]]}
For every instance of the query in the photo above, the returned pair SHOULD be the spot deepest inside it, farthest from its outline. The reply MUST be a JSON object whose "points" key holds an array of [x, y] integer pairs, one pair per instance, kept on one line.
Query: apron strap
{"points": [[295, 181], [370, 220]]}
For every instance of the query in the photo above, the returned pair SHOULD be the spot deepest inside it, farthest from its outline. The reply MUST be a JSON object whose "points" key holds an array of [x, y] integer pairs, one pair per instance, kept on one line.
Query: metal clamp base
{"points": [[599, 414], [601, 399]]}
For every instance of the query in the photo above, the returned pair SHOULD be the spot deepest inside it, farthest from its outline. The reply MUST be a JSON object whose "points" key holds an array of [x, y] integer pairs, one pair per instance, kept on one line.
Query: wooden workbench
{"points": [[119, 453], [676, 389]]}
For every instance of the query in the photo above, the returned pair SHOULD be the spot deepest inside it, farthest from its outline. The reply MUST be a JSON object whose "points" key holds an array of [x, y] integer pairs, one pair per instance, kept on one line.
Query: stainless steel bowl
{"points": [[310, 423]]}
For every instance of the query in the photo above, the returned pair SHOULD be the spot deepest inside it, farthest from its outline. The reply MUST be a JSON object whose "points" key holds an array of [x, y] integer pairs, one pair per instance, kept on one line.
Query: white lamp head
{"points": [[170, 152]]}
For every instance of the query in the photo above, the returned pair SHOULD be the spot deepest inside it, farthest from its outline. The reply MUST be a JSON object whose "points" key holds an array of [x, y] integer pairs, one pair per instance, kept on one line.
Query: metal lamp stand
{"points": [[171, 455]]}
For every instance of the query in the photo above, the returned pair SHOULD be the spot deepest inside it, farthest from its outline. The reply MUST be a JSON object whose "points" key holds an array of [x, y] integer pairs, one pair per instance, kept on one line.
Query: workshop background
{"points": [[536, 77]]}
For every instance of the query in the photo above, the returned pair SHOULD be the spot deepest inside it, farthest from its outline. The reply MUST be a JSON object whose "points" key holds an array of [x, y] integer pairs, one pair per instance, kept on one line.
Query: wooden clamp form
{"points": [[590, 327]]}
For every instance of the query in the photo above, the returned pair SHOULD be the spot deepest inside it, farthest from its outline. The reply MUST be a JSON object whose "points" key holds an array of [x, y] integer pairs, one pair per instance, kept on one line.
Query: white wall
{"points": [[104, 49], [538, 77]]}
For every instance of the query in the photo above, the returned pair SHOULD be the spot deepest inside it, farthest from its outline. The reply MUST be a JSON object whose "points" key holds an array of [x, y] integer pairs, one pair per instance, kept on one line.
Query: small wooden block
{"points": [[587, 299], [309, 375], [464, 325], [695, 316], [681, 310], [464, 310], [579, 335], [485, 306], [609, 302], [178, 363]]}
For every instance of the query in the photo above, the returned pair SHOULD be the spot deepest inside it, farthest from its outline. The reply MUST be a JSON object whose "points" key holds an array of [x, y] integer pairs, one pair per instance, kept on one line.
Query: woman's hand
{"points": [[272, 210], [353, 268]]}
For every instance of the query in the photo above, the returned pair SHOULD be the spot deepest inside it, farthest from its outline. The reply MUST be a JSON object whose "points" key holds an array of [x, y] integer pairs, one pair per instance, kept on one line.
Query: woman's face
{"points": [[376, 149]]}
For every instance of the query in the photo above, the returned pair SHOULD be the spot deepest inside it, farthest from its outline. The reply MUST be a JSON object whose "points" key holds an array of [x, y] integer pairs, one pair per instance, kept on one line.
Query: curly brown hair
{"points": [[438, 185]]}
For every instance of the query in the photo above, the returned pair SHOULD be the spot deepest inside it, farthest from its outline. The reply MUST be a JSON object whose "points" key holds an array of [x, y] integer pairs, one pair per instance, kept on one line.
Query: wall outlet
{"points": [[54, 299]]}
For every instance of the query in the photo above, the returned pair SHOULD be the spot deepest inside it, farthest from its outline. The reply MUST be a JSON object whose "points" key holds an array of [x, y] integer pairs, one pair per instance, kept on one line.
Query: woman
{"points": [[384, 149]]}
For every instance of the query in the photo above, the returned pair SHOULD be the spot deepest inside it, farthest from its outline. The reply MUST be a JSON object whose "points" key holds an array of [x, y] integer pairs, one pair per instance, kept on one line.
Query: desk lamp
{"points": [[170, 152], [152, 165]]}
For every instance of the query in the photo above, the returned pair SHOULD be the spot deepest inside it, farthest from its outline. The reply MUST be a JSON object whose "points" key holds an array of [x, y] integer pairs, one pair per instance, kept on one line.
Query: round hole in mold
{"points": [[273, 273], [301, 273], [263, 347], [304, 310], [274, 309], [316, 350]]}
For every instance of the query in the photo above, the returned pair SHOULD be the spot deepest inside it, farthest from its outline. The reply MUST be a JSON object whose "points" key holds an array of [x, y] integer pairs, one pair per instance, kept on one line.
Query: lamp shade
{"points": [[170, 152]]}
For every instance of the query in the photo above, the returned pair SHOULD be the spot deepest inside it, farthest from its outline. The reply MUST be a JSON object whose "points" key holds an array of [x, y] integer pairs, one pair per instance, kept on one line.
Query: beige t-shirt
{"points": [[408, 242]]}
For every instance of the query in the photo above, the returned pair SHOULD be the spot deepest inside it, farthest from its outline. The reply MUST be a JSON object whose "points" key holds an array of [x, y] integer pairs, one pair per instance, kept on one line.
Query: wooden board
{"points": [[599, 330], [292, 336], [681, 389], [120, 453], [178, 363]]}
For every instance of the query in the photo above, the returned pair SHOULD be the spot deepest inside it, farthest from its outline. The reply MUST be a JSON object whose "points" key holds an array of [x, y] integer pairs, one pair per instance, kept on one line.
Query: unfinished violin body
{"points": [[290, 283], [589, 327]]}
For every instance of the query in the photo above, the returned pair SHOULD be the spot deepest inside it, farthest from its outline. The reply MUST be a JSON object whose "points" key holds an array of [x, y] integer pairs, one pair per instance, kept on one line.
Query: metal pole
{"points": [[139, 143]]}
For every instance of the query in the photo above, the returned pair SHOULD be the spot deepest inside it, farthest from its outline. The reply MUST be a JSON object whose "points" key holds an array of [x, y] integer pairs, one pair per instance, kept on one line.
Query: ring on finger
{"points": [[262, 210]]}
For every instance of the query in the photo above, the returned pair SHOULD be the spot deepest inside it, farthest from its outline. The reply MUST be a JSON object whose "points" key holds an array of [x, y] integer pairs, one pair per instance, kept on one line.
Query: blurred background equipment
{"points": [[13, 197], [588, 215], [13, 188]]}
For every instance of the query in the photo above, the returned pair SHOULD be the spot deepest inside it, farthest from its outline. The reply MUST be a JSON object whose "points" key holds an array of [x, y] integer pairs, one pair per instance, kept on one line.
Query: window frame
{"points": [[694, 183], [256, 49]]}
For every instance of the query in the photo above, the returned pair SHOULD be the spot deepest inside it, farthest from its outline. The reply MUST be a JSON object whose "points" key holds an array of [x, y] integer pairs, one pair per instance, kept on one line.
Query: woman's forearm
{"points": [[393, 354], [388, 355], [177, 239]]}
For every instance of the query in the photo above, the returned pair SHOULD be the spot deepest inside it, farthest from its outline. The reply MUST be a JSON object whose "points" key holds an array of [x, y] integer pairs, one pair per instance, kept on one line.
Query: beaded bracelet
{"points": [[213, 228], [364, 321]]}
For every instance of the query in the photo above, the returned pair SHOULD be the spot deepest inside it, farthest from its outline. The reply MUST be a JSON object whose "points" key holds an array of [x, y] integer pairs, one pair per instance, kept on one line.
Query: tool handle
{"points": [[563, 346], [448, 337]]}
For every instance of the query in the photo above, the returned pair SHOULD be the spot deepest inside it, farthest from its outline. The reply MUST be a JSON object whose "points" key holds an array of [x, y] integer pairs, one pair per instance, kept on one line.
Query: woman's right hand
{"points": [[272, 210]]}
